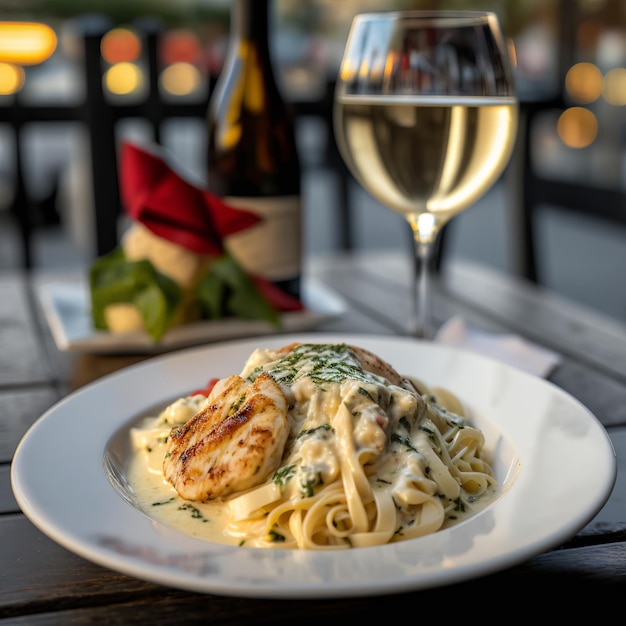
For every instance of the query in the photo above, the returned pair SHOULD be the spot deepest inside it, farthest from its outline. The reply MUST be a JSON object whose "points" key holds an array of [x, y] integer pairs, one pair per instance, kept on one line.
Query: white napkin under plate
{"points": [[510, 349]]}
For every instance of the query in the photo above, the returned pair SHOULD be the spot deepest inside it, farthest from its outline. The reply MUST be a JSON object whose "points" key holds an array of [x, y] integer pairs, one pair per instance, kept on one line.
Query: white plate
{"points": [[67, 310], [553, 459]]}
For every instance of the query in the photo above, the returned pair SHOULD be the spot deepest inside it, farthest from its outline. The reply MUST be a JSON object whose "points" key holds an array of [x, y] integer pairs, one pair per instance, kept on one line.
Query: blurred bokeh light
{"points": [[124, 78], [583, 83], [180, 79], [11, 78], [577, 127], [614, 89], [120, 45], [180, 46], [26, 43]]}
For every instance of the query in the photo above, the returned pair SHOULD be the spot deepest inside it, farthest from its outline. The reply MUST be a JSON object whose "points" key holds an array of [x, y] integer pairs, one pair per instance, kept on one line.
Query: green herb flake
{"points": [[428, 431], [195, 512], [162, 502], [405, 441], [310, 431], [322, 363], [283, 475]]}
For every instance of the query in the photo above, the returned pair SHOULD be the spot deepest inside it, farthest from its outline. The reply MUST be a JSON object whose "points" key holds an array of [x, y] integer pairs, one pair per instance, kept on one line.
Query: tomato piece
{"points": [[205, 391]]}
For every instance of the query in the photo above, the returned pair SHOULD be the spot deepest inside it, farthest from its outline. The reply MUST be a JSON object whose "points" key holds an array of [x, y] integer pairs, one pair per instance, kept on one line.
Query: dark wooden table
{"points": [[43, 583]]}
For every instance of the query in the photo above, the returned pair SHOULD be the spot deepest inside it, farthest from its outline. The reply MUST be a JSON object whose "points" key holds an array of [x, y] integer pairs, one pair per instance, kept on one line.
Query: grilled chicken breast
{"points": [[372, 363], [233, 443]]}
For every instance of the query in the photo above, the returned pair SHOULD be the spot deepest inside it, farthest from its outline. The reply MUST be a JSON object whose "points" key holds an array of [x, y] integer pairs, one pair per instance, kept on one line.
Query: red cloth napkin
{"points": [[172, 208]]}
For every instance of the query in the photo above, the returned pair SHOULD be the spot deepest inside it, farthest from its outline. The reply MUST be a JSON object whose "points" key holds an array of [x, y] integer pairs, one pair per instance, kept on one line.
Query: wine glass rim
{"points": [[468, 16]]}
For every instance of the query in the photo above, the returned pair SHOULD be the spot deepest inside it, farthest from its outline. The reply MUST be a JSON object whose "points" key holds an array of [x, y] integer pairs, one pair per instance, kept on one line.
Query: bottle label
{"points": [[273, 247]]}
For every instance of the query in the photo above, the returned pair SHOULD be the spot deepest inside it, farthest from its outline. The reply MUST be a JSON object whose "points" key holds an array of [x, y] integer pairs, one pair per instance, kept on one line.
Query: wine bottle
{"points": [[253, 159]]}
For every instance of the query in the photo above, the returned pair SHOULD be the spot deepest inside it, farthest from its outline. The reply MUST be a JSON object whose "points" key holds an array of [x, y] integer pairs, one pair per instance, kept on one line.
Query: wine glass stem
{"points": [[422, 325]]}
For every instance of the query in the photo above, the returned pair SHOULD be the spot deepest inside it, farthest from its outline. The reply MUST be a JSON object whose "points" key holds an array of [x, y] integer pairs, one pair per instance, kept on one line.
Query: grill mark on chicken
{"points": [[233, 443]]}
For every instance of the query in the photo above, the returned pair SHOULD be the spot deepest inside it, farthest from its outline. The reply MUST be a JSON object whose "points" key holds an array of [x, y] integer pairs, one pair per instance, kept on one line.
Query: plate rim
{"points": [[177, 576], [323, 304]]}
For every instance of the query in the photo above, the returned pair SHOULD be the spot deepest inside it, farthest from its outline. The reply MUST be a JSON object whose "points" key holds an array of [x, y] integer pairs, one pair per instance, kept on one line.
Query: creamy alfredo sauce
{"points": [[315, 378]]}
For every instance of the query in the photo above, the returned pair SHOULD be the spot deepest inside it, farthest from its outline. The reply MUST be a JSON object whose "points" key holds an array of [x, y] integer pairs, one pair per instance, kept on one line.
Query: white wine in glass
{"points": [[425, 117]]}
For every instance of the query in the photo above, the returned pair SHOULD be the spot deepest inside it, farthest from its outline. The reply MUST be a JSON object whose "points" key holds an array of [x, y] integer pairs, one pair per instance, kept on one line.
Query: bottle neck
{"points": [[250, 20], [250, 24]]}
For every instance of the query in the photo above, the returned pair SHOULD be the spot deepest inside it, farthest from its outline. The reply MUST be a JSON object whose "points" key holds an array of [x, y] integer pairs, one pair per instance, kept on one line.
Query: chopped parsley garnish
{"points": [[322, 363], [283, 475], [428, 431], [307, 489], [161, 502], [195, 512], [405, 441], [310, 431], [235, 406], [366, 393]]}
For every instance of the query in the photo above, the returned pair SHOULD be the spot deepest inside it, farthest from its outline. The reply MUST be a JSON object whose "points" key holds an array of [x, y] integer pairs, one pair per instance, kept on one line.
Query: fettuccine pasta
{"points": [[367, 457]]}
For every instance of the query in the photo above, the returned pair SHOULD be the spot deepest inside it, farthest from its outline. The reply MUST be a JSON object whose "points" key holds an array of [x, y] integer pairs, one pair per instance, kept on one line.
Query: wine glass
{"points": [[425, 117]]}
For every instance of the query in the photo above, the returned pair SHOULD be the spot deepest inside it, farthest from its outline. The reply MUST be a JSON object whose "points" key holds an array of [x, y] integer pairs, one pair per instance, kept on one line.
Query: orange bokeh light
{"points": [[120, 45], [583, 82], [577, 127], [180, 46]]}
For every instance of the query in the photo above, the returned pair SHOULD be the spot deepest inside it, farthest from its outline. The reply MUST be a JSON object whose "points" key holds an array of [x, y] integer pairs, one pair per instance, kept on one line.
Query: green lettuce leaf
{"points": [[226, 290], [114, 279]]}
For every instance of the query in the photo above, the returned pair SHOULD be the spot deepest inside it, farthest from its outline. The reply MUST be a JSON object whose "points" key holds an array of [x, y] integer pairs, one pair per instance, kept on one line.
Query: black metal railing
{"points": [[100, 117]]}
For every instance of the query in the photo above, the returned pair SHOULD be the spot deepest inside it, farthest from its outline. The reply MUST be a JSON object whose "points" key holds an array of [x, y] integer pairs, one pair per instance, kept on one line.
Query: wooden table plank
{"points": [[60, 577], [18, 411], [42, 583], [510, 302], [7, 500], [604, 397], [66, 583], [22, 359], [541, 315]]}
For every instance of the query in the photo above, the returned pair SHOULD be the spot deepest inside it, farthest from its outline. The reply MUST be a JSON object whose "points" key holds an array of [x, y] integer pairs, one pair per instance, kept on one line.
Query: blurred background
{"points": [[79, 76]]}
